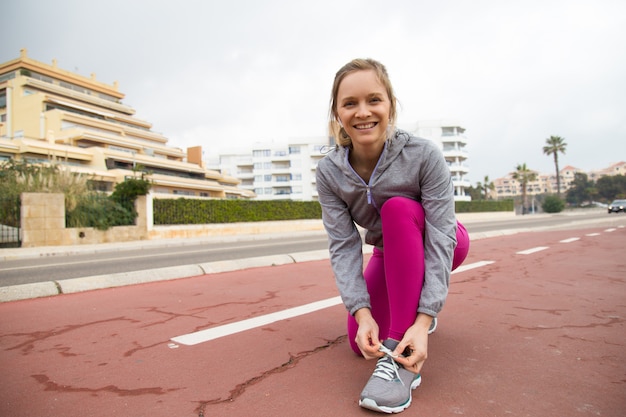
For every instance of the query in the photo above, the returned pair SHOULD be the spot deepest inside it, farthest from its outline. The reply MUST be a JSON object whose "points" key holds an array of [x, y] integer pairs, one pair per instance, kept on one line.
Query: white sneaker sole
{"points": [[371, 404]]}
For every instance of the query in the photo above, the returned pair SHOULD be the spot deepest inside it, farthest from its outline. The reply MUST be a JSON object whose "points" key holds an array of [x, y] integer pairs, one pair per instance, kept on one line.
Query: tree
{"points": [[488, 186], [524, 175], [554, 145], [582, 189], [475, 193], [611, 187]]}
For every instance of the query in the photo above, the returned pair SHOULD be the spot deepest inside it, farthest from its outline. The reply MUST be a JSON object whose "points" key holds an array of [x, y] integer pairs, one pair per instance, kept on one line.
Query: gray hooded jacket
{"points": [[409, 167]]}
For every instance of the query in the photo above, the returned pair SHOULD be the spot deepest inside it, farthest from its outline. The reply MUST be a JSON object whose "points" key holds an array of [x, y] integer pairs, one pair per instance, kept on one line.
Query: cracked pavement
{"points": [[527, 335]]}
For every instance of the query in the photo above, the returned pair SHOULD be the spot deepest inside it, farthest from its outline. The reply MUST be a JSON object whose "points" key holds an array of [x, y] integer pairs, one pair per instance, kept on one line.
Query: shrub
{"points": [[552, 204], [481, 206], [193, 211], [98, 211]]}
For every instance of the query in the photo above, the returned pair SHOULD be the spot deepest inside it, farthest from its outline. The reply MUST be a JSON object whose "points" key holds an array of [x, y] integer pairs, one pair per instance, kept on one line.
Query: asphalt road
{"points": [[52, 268]]}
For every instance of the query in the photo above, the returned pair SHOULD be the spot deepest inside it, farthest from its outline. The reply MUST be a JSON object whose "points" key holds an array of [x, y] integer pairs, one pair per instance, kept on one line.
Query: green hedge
{"points": [[191, 211], [481, 206]]}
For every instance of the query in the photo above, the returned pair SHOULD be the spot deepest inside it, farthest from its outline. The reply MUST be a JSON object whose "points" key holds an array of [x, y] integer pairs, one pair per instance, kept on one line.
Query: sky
{"points": [[228, 74]]}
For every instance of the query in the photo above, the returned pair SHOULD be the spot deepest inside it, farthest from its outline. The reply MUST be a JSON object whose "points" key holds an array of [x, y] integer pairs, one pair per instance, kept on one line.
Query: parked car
{"points": [[617, 206]]}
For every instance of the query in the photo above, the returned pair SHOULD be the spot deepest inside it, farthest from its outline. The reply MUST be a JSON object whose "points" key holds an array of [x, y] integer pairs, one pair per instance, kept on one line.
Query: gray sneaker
{"points": [[389, 388], [433, 326]]}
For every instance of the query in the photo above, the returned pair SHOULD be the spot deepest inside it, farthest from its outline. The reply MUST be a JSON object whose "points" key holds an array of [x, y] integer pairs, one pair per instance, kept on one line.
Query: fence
{"points": [[10, 236]]}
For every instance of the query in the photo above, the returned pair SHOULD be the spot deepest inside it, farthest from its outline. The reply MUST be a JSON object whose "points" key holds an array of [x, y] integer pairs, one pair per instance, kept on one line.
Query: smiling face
{"points": [[363, 108]]}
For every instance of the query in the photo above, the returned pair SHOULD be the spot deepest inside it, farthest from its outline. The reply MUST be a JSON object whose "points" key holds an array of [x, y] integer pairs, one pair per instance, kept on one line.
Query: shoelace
{"points": [[386, 367]]}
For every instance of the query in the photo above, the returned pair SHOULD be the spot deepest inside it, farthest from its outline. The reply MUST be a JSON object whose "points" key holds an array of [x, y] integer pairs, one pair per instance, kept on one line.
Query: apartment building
{"points": [[47, 113], [450, 137], [508, 187], [287, 171], [618, 168], [278, 171]]}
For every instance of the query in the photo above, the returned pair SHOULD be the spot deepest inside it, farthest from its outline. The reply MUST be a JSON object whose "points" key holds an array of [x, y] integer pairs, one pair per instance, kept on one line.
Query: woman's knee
{"points": [[462, 246], [402, 206]]}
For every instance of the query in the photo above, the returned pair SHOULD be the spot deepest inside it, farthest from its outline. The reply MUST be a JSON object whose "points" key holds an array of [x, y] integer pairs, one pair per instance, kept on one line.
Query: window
{"points": [[41, 77], [8, 76], [261, 153]]}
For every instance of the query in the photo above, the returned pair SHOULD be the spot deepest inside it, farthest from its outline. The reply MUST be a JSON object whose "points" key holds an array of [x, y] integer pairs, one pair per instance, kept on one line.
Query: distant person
{"points": [[399, 189]]}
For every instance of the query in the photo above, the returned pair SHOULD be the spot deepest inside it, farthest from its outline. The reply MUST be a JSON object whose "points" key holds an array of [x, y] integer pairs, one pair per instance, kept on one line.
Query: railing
{"points": [[10, 236]]}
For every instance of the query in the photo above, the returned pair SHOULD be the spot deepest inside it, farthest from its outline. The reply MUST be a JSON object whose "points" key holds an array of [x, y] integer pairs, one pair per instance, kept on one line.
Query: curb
{"points": [[98, 282]]}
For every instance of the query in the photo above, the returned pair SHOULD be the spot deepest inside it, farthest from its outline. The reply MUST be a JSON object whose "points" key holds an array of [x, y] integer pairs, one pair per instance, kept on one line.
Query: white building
{"points": [[279, 171], [287, 171], [452, 140]]}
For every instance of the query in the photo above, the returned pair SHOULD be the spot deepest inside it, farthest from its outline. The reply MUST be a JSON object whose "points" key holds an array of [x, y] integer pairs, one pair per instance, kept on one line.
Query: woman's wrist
{"points": [[423, 321], [362, 313]]}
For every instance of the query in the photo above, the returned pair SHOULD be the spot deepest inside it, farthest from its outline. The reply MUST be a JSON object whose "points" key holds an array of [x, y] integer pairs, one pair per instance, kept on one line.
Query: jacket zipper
{"points": [[368, 189]]}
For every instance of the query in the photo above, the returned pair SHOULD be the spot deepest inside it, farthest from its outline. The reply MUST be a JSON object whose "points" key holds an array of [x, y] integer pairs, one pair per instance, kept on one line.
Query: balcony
{"points": [[461, 183], [458, 169], [454, 139], [455, 153]]}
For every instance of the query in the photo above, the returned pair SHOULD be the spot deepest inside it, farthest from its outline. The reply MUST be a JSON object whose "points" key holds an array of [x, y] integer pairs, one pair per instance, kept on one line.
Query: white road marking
{"points": [[467, 267], [205, 335], [532, 250], [610, 230], [570, 240], [240, 326], [592, 234]]}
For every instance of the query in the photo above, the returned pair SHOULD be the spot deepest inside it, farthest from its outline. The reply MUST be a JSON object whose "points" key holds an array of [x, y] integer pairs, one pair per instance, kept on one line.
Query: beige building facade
{"points": [[47, 113], [508, 187]]}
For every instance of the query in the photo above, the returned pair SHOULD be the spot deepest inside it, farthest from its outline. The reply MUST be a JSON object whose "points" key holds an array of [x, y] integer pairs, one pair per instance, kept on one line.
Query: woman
{"points": [[399, 189]]}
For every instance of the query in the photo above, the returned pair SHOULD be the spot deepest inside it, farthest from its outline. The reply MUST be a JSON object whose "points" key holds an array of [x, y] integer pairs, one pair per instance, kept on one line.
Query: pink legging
{"points": [[395, 276]]}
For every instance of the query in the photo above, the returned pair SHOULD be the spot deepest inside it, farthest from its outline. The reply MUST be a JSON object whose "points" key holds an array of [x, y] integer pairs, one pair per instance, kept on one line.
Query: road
{"points": [[177, 253]]}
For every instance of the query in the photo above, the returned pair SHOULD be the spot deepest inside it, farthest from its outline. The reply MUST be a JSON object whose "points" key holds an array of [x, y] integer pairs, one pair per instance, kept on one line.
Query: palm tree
{"points": [[524, 175], [554, 145], [488, 186]]}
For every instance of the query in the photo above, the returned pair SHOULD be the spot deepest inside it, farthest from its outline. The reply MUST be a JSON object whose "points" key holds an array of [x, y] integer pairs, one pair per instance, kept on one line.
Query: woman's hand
{"points": [[367, 334], [416, 339]]}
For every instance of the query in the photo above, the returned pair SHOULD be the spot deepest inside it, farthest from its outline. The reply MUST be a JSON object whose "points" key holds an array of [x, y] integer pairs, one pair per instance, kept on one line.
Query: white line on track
{"points": [[240, 326], [467, 267], [206, 335], [610, 230], [592, 234], [532, 250], [570, 240]]}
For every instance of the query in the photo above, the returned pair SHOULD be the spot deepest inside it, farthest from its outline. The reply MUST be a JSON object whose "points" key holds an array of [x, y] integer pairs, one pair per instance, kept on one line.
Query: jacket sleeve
{"points": [[345, 244], [437, 195]]}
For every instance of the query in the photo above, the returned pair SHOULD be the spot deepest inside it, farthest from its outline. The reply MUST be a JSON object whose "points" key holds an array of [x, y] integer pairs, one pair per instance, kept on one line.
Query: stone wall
{"points": [[43, 223]]}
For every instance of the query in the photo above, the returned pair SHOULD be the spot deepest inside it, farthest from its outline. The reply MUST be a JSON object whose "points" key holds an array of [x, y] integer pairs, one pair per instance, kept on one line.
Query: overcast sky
{"points": [[236, 72]]}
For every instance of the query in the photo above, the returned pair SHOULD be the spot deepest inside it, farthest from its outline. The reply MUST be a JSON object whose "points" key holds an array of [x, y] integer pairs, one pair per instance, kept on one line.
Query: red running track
{"points": [[538, 334]]}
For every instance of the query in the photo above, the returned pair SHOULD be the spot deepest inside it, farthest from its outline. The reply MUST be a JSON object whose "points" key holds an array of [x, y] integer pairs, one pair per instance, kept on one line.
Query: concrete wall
{"points": [[43, 224]]}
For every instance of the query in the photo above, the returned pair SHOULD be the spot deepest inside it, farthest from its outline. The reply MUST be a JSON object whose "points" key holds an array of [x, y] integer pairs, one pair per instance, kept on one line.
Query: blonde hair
{"points": [[334, 127]]}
